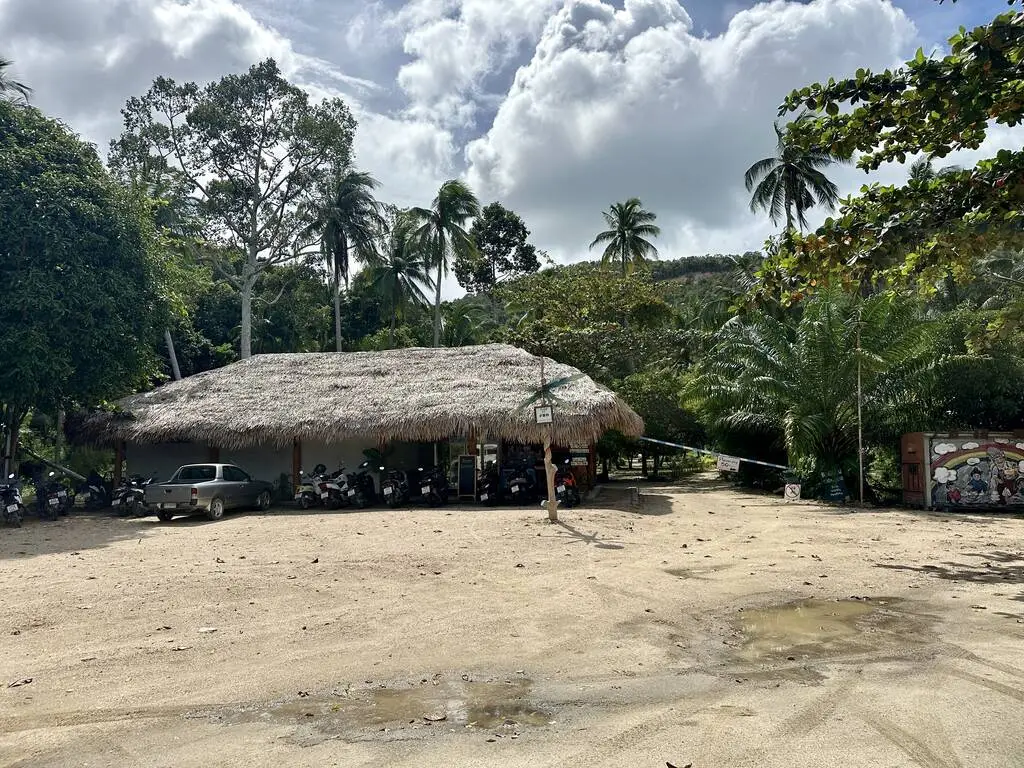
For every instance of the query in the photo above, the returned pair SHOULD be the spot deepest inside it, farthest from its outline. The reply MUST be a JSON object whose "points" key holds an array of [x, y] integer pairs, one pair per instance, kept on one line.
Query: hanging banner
{"points": [[728, 463]]}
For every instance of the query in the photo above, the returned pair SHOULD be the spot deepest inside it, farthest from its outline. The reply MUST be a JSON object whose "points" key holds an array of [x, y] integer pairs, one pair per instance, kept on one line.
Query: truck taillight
{"points": [[194, 494]]}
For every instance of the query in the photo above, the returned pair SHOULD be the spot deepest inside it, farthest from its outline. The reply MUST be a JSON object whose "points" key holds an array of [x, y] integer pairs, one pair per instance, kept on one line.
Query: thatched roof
{"points": [[403, 394]]}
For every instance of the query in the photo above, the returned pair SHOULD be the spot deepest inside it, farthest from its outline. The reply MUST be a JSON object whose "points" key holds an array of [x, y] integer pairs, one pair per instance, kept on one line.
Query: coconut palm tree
{"points": [[798, 378], [347, 219], [922, 170], [10, 89], [625, 240], [397, 273], [790, 183], [443, 235]]}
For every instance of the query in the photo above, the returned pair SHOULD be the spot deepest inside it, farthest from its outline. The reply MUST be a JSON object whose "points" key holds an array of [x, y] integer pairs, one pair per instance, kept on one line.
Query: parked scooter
{"points": [[432, 486], [394, 487], [522, 485], [10, 502], [96, 492], [567, 493], [130, 497], [315, 490], [488, 484], [53, 499], [361, 490]]}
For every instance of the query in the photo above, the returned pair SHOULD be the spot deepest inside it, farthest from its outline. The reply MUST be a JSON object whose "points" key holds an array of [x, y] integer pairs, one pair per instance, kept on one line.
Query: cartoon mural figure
{"points": [[977, 472], [1003, 479], [977, 488]]}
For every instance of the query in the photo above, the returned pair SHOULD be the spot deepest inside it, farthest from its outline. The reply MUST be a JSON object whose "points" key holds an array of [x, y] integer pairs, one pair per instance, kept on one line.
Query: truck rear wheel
{"points": [[165, 517], [216, 510]]}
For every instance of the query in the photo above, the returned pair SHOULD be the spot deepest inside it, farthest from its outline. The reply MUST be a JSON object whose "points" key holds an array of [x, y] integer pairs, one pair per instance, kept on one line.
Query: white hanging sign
{"points": [[728, 464], [543, 414]]}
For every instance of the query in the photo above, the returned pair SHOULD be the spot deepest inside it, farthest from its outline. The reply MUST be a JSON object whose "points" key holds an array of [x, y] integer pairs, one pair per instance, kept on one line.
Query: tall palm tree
{"points": [[347, 218], [397, 273], [922, 170], [798, 377], [625, 240], [10, 89], [790, 183], [442, 233]]}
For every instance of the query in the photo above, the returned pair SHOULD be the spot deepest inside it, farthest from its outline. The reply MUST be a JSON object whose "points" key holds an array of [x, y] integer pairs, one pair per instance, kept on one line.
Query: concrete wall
{"points": [[163, 458]]}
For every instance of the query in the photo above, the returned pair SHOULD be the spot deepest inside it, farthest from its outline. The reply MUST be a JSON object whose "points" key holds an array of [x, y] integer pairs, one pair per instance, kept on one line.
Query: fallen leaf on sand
{"points": [[19, 683], [206, 630]]}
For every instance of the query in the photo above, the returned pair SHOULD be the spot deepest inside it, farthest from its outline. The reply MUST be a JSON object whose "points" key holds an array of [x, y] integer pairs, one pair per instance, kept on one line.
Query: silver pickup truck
{"points": [[209, 488]]}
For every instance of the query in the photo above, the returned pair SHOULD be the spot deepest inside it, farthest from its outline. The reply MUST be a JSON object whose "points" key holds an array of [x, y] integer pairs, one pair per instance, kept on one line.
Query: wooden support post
{"points": [[213, 451], [549, 471], [118, 463], [296, 463], [471, 442], [592, 466]]}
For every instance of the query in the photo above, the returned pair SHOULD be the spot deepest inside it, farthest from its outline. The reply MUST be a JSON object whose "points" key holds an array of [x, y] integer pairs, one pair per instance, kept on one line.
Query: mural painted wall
{"points": [[976, 471]]}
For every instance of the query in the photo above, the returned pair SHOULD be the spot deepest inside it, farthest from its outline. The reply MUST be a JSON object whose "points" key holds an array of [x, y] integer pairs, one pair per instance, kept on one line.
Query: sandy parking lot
{"points": [[710, 628]]}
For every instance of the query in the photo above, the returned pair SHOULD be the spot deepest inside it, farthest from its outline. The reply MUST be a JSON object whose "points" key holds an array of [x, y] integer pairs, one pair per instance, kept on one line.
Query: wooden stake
{"points": [[549, 471], [296, 464]]}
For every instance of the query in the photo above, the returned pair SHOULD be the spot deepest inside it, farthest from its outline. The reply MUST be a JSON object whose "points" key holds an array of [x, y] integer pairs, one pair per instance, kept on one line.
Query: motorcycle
{"points": [[360, 489], [432, 486], [130, 496], [10, 502], [96, 492], [394, 487], [52, 498], [522, 485], [488, 484], [567, 493]]}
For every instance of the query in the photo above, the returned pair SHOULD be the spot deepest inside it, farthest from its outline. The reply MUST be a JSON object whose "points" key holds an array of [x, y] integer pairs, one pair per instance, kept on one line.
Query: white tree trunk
{"points": [[549, 473], [246, 332], [337, 316], [169, 340]]}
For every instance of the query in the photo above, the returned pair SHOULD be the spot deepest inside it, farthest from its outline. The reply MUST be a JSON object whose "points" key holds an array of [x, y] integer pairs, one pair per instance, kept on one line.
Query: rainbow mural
{"points": [[976, 471]]}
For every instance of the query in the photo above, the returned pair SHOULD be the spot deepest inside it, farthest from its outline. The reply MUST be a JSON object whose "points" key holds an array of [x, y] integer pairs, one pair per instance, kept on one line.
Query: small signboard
{"points": [[544, 414], [835, 489], [791, 492], [579, 457], [728, 463], [467, 477]]}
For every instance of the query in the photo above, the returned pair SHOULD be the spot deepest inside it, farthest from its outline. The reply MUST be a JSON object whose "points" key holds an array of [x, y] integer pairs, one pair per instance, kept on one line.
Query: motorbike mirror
{"points": [[567, 461], [52, 473], [302, 473], [381, 468], [365, 464], [10, 476], [419, 469]]}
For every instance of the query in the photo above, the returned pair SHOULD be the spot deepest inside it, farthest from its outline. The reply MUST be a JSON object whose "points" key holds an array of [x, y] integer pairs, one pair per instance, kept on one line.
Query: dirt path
{"points": [[712, 628]]}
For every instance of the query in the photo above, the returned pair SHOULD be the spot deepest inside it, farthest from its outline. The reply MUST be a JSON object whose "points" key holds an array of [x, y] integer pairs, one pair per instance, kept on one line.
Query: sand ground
{"points": [[709, 627]]}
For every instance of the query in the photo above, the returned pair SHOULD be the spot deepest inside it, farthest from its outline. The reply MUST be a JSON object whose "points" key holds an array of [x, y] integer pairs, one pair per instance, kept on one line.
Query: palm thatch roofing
{"points": [[403, 394]]}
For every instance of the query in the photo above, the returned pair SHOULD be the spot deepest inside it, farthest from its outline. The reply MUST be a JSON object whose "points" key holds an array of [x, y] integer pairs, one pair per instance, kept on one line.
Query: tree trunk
{"points": [[549, 473], [393, 316], [246, 332], [169, 340], [643, 463], [437, 303], [337, 316], [604, 469], [10, 421]]}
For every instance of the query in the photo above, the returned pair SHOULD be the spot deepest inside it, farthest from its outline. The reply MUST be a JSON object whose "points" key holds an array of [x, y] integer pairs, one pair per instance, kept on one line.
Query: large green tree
{"points": [[927, 228], [502, 250], [347, 220], [252, 150], [790, 183], [442, 233], [626, 240], [82, 287]]}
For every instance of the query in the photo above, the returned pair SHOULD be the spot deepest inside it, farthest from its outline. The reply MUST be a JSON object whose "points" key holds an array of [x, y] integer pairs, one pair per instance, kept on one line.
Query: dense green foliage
{"points": [[502, 251], [81, 271]]}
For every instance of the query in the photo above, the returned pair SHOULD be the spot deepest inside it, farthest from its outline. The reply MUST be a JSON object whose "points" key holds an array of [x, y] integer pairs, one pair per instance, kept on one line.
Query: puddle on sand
{"points": [[821, 629], [483, 705]]}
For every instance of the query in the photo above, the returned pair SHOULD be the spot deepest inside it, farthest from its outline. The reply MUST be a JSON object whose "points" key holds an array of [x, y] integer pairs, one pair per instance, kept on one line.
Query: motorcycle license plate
{"points": [[324, 495], [298, 496], [425, 490], [54, 502], [388, 491], [484, 497], [515, 489], [12, 508], [561, 489], [351, 493], [62, 494]]}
